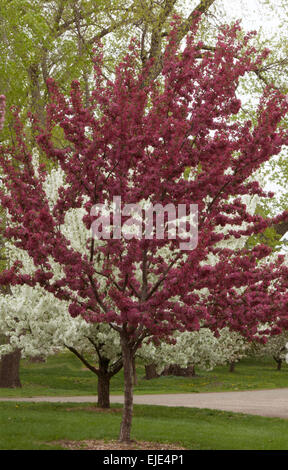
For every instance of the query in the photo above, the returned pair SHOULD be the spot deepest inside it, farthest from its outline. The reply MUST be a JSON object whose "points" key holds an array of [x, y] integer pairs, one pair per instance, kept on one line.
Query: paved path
{"points": [[271, 403]]}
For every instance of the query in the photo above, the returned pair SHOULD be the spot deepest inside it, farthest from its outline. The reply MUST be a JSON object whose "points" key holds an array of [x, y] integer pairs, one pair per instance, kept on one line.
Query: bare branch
{"points": [[82, 359]]}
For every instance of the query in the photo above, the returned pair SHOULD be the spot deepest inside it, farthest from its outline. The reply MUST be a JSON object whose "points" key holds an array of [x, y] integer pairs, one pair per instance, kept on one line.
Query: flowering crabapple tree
{"points": [[234, 346], [190, 349], [275, 347], [196, 349], [135, 141]]}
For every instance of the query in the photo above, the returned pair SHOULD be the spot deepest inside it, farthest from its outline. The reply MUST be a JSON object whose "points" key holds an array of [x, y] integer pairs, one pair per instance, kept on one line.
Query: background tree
{"points": [[196, 349], [234, 347], [37, 324], [274, 347], [41, 39]]}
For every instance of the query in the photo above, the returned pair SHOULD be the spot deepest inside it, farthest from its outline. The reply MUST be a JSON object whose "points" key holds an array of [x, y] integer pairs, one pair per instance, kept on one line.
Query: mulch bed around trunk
{"points": [[116, 445]]}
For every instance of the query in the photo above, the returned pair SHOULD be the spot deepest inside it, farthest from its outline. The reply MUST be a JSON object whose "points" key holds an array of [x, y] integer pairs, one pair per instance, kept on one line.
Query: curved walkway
{"points": [[270, 403]]}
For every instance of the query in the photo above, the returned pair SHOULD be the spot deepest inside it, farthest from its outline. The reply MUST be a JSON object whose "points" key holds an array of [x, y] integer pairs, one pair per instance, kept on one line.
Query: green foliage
{"points": [[269, 237], [55, 38]]}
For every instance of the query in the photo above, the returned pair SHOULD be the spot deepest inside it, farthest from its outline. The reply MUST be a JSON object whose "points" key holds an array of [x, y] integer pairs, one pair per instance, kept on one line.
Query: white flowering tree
{"points": [[274, 347], [193, 349], [234, 346], [37, 324], [199, 348]]}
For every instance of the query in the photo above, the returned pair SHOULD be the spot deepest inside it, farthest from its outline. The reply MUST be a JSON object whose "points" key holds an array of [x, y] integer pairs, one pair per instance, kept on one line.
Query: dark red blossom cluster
{"points": [[136, 139]]}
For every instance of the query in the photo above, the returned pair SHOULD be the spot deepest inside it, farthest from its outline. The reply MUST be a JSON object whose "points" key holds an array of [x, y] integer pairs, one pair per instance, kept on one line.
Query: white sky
{"points": [[254, 14]]}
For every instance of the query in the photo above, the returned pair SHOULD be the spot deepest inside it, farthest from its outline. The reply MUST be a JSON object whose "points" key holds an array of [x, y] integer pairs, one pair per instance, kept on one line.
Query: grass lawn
{"points": [[37, 426], [32, 426], [64, 374]]}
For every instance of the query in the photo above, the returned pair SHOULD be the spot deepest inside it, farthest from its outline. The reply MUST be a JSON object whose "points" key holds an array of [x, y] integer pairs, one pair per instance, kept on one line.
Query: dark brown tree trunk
{"points": [[104, 374], [104, 378], [127, 356], [135, 378], [37, 359], [278, 362], [9, 370], [231, 366], [150, 372], [179, 371], [103, 390]]}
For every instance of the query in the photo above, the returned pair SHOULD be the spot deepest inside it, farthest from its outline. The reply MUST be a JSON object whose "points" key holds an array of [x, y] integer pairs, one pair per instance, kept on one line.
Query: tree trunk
{"points": [[9, 370], [150, 372], [231, 366], [127, 355], [104, 378], [178, 371], [35, 91], [278, 361], [104, 374], [37, 359], [135, 378], [103, 390]]}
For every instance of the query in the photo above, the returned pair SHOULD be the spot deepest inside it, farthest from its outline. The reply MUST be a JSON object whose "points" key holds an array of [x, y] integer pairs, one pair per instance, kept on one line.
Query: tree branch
{"points": [[82, 359]]}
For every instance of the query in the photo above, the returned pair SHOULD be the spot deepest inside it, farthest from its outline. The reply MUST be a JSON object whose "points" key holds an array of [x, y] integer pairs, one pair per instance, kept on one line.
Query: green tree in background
{"points": [[55, 38]]}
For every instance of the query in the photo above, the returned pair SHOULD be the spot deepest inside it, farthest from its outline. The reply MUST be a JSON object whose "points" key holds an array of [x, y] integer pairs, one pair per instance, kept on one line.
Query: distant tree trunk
{"points": [[278, 361], [104, 373], [178, 371], [9, 370], [37, 359], [231, 366], [10, 363], [150, 372]]}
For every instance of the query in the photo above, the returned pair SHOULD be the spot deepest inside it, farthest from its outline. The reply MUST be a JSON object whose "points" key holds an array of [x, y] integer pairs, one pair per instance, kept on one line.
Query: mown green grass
{"points": [[64, 374], [37, 426], [33, 426]]}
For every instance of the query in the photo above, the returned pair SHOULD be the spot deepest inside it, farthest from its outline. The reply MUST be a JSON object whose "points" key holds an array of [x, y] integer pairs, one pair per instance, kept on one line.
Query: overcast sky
{"points": [[254, 14]]}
